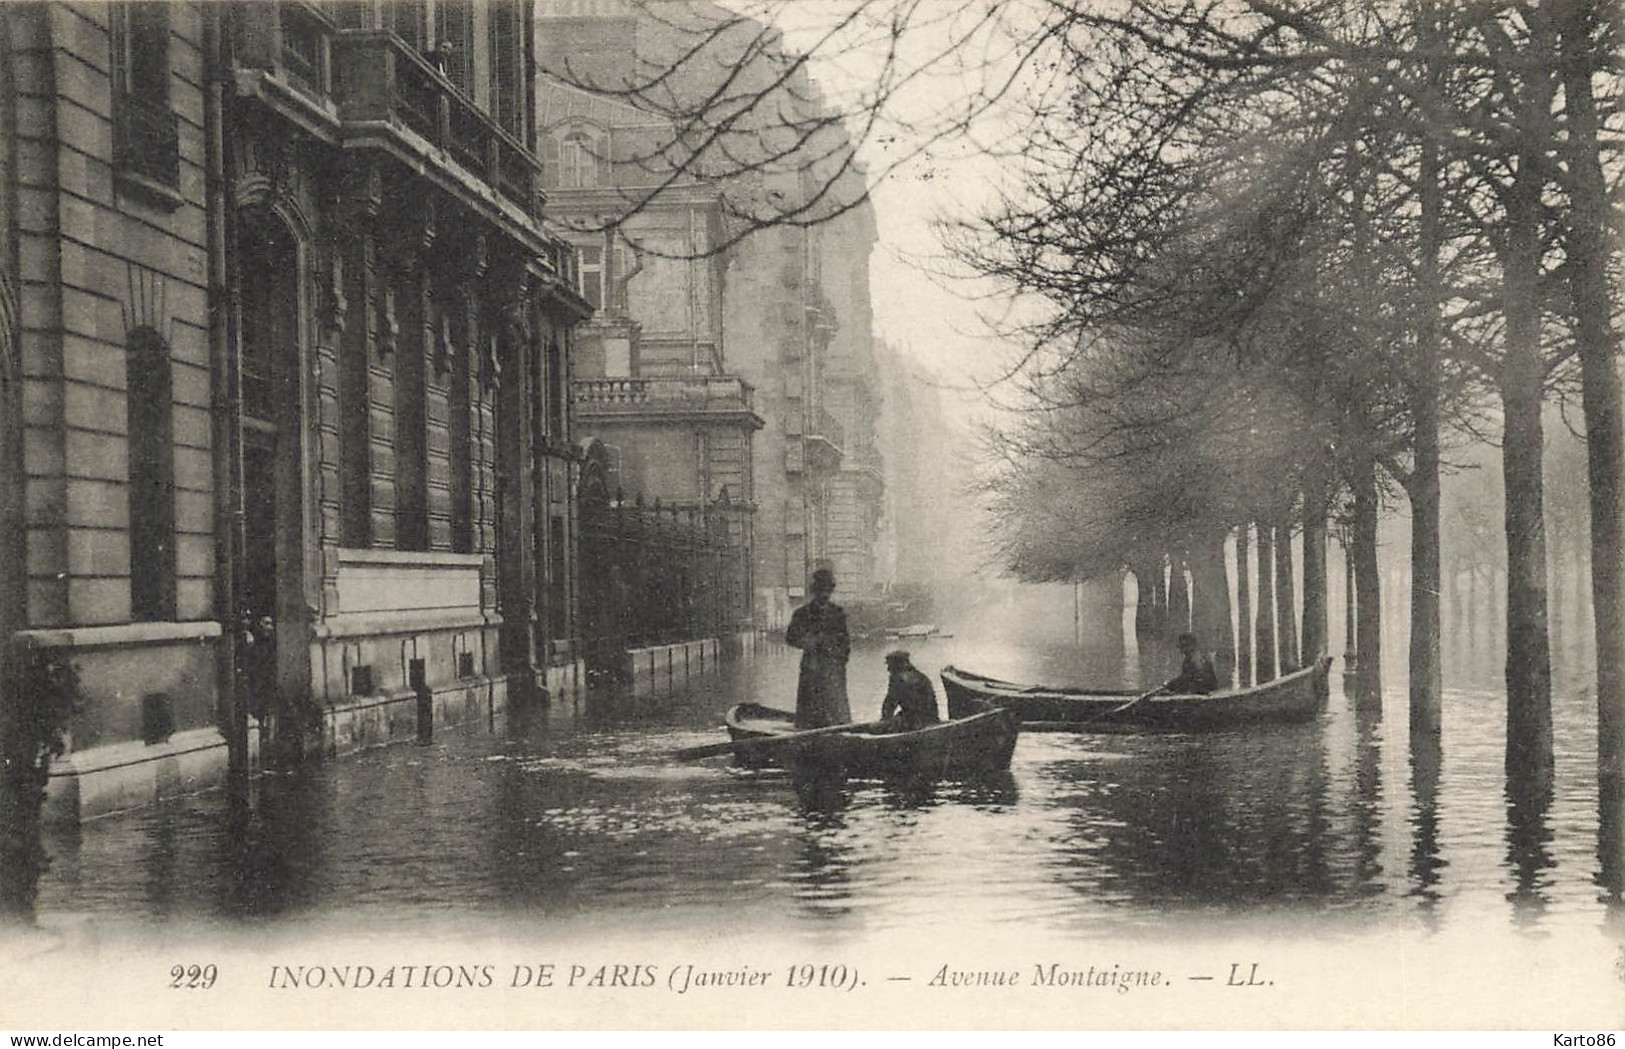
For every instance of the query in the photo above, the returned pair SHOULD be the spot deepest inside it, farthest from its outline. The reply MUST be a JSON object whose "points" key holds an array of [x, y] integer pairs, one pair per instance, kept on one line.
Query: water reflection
{"points": [[577, 809], [1426, 866], [1528, 836], [1366, 802]]}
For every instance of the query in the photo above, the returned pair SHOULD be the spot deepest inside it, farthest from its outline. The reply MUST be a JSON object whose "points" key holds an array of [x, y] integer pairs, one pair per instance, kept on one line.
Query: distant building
{"points": [[777, 325], [653, 381], [286, 369]]}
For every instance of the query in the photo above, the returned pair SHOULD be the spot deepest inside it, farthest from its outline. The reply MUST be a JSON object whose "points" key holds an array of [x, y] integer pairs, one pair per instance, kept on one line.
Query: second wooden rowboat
{"points": [[1296, 696]]}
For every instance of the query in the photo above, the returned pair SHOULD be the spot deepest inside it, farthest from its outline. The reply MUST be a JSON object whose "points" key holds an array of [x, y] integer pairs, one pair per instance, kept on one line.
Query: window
{"points": [[508, 79], [150, 403], [405, 19], [351, 14], [453, 40], [592, 276], [462, 444], [144, 128], [411, 419], [578, 159]]}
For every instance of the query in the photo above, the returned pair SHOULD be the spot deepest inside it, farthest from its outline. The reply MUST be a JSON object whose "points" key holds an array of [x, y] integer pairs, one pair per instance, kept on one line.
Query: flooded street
{"points": [[576, 813]]}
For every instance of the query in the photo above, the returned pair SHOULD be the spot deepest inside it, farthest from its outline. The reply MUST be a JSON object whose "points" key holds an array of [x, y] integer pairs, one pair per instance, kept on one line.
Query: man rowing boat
{"points": [[1196, 675]]}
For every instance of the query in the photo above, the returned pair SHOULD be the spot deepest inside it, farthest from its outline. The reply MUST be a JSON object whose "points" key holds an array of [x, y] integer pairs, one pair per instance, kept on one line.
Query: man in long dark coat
{"points": [[818, 628]]}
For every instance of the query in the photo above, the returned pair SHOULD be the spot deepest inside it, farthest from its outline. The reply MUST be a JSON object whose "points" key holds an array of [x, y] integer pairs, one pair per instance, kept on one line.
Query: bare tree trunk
{"points": [[1213, 597], [1264, 614], [1179, 597], [1368, 584], [1351, 648], [1426, 678], [1316, 643], [1286, 598], [1523, 380], [1163, 583], [1588, 254], [1244, 605], [1145, 611]]}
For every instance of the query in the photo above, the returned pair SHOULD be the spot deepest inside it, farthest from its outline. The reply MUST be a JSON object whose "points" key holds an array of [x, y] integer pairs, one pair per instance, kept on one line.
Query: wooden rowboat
{"points": [[1296, 696], [982, 741]]}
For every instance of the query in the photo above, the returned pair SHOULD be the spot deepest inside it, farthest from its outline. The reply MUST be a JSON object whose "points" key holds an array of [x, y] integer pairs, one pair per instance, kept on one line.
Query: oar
{"points": [[1118, 710], [756, 742]]}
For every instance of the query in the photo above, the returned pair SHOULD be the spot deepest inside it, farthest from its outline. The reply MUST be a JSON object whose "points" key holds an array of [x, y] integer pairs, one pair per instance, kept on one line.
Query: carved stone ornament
{"points": [[389, 329], [335, 306], [490, 364], [444, 349]]}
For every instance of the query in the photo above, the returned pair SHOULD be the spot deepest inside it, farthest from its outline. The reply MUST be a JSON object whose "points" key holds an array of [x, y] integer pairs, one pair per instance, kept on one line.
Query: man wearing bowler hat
{"points": [[818, 628]]}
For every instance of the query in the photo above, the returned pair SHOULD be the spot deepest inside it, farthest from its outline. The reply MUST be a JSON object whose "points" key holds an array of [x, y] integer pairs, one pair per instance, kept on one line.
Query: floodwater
{"points": [[576, 813]]}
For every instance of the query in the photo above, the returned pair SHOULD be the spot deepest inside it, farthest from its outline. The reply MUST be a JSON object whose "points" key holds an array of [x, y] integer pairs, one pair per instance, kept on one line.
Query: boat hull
{"points": [[1298, 696], [979, 743]]}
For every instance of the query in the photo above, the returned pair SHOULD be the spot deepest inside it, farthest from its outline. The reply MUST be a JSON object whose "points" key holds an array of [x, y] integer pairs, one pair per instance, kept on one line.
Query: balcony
{"points": [[825, 439], [722, 398], [378, 79], [367, 89]]}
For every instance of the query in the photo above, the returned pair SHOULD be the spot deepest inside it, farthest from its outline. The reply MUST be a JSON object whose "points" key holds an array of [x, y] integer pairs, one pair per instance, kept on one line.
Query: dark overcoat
{"points": [[819, 630]]}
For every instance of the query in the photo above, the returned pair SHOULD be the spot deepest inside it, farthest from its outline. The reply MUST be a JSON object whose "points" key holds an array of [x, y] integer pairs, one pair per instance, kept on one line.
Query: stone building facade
{"points": [[653, 380], [788, 302], [289, 344]]}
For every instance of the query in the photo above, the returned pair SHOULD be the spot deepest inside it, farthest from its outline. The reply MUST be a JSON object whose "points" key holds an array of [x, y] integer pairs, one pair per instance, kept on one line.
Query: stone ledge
{"points": [[409, 558], [120, 636], [385, 624]]}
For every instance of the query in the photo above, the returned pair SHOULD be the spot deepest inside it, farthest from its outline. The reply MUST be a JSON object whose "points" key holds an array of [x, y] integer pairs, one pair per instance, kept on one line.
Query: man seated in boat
{"points": [[910, 695], [1196, 674]]}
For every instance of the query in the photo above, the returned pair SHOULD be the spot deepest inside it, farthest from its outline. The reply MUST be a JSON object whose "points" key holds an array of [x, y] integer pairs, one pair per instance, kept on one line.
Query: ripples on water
{"points": [[576, 811]]}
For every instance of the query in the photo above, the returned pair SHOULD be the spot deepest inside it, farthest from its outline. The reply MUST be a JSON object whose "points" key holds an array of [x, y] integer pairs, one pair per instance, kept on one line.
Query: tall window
{"points": [[453, 42], [592, 276], [150, 403], [462, 444], [144, 128], [508, 66]]}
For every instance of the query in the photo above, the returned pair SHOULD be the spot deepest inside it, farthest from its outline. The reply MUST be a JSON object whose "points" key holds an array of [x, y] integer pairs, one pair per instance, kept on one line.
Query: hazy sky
{"points": [[923, 303]]}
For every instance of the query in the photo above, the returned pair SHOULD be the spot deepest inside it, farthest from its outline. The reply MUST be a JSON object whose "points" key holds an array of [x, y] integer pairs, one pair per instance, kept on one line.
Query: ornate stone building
{"points": [[289, 345], [653, 382], [789, 303]]}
